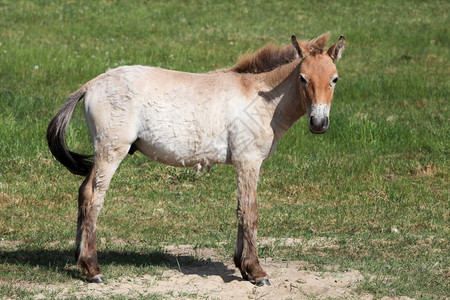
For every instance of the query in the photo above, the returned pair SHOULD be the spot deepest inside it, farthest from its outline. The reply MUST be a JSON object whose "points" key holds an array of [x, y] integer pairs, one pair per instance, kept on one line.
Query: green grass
{"points": [[382, 164]]}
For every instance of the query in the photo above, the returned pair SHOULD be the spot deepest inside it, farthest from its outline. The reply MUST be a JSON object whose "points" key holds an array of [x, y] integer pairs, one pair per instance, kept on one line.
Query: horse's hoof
{"points": [[263, 282], [97, 279]]}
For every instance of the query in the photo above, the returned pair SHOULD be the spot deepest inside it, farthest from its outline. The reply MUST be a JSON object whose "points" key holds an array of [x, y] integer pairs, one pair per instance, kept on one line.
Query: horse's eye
{"points": [[303, 78]]}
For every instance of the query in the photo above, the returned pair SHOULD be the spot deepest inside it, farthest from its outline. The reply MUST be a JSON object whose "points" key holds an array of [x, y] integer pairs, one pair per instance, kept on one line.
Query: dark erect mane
{"points": [[271, 57], [266, 59]]}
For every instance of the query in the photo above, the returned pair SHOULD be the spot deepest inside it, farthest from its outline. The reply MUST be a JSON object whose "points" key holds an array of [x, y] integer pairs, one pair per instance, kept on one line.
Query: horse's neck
{"points": [[283, 95]]}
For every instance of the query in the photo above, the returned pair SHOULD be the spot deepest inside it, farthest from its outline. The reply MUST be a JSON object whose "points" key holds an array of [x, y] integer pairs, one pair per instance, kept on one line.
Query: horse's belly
{"points": [[182, 150]]}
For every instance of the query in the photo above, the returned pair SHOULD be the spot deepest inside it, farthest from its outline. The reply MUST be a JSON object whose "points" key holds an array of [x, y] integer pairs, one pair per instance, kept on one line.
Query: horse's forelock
{"points": [[317, 46]]}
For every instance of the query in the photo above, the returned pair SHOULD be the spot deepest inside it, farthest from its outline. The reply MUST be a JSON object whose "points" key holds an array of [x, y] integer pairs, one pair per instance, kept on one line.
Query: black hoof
{"points": [[97, 279], [263, 282]]}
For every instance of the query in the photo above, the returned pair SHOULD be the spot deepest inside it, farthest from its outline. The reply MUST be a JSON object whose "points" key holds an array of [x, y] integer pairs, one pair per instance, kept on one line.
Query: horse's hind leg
{"points": [[90, 201]]}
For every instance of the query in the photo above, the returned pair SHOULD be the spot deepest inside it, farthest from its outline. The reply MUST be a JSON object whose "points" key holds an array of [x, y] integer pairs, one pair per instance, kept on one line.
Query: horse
{"points": [[233, 116]]}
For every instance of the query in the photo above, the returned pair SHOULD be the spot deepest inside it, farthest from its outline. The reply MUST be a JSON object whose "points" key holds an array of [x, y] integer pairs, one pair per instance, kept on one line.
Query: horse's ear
{"points": [[297, 47], [336, 50]]}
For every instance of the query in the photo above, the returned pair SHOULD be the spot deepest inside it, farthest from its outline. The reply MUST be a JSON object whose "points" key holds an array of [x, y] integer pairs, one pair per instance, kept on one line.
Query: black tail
{"points": [[56, 137]]}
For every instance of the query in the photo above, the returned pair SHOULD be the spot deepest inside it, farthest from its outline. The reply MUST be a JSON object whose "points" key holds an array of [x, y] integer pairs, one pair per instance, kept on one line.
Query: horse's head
{"points": [[317, 78]]}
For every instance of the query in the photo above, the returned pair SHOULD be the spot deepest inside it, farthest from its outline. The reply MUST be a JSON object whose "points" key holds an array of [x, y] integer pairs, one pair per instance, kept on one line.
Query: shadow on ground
{"points": [[63, 261]]}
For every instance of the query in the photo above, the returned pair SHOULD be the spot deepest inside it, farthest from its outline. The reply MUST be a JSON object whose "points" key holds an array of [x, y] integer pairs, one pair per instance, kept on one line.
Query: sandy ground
{"points": [[214, 277]]}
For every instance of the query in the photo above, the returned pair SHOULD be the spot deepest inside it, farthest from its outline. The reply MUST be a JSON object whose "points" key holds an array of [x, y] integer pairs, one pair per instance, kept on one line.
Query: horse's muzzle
{"points": [[318, 118]]}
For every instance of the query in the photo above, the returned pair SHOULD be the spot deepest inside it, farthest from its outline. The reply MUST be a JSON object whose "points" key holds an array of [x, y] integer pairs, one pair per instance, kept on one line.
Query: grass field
{"points": [[382, 164]]}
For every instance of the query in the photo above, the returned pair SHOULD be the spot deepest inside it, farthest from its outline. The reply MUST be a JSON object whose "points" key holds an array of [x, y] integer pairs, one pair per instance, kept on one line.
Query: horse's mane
{"points": [[271, 57], [266, 59]]}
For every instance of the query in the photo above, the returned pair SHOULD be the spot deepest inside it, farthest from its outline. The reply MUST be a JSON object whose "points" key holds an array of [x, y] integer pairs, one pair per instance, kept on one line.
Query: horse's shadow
{"points": [[63, 261]]}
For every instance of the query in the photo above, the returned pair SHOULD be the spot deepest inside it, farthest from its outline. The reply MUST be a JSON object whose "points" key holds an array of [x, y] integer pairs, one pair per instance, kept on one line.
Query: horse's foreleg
{"points": [[246, 253], [90, 201]]}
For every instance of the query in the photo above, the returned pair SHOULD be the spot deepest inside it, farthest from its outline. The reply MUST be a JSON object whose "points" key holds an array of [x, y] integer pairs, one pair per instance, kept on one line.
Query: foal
{"points": [[234, 116]]}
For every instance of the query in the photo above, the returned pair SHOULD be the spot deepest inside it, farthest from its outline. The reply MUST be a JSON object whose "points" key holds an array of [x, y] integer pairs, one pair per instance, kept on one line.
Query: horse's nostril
{"points": [[311, 121]]}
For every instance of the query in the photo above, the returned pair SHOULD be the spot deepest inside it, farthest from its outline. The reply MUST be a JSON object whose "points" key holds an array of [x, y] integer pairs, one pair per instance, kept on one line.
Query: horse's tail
{"points": [[56, 137]]}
